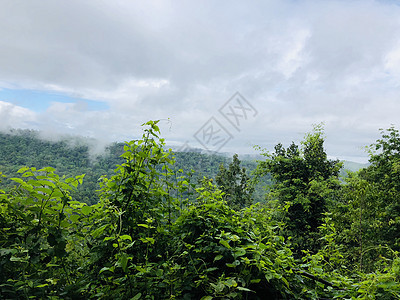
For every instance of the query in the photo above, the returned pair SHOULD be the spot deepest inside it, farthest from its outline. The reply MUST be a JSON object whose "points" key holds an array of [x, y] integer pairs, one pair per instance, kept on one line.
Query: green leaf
{"points": [[27, 174], [123, 261], [147, 240], [74, 218], [206, 298], [51, 265], [80, 178], [97, 232], [137, 296], [21, 259], [19, 180], [218, 257], [239, 252], [43, 183], [285, 281], [48, 169], [234, 238], [86, 210], [44, 190], [231, 282], [125, 237], [243, 289], [106, 269], [57, 194], [4, 251], [22, 170], [143, 225], [225, 243], [211, 269]]}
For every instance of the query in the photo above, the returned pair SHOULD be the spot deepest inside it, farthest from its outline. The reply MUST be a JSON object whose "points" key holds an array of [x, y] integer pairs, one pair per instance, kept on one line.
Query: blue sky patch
{"points": [[39, 101]]}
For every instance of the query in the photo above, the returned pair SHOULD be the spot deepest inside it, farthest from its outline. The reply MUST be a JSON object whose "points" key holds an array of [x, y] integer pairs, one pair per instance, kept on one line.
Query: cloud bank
{"points": [[297, 62]]}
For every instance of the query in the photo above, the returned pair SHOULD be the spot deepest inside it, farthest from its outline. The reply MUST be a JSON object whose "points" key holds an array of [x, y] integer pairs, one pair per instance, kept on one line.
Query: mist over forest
{"points": [[199, 149], [75, 155]]}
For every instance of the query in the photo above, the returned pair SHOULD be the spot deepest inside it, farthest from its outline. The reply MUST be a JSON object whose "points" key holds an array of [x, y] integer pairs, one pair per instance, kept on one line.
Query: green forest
{"points": [[143, 222]]}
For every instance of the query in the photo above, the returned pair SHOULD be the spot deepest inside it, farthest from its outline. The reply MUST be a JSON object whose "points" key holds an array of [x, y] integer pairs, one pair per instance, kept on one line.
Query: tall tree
{"points": [[304, 180], [235, 183], [384, 174], [369, 214]]}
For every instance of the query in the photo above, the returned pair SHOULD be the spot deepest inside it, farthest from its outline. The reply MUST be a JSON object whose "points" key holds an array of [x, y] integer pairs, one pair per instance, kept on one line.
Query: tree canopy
{"points": [[236, 184], [304, 180], [154, 234]]}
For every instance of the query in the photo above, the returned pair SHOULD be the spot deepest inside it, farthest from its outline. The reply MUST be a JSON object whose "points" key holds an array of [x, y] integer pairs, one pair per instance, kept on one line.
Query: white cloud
{"points": [[297, 62], [13, 116], [295, 57]]}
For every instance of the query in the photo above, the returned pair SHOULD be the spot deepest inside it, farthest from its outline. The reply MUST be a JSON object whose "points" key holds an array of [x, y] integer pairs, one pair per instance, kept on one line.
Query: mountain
{"points": [[72, 156], [353, 166]]}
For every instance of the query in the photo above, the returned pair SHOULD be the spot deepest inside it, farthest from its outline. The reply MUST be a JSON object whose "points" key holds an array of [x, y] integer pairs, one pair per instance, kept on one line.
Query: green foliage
{"points": [[383, 175], [144, 239], [304, 182], [72, 156], [334, 278], [368, 212], [228, 254], [69, 157], [235, 183], [34, 234]]}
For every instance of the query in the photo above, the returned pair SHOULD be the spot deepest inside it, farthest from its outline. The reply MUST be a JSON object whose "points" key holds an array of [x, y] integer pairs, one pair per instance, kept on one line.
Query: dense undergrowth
{"points": [[145, 240]]}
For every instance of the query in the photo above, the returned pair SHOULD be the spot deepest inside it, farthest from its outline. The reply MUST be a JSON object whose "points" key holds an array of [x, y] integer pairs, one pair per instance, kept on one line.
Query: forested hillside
{"points": [[156, 233], [71, 157]]}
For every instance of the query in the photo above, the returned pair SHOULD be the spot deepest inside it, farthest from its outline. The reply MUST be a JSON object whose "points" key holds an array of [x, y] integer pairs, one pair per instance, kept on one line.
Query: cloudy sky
{"points": [[102, 68]]}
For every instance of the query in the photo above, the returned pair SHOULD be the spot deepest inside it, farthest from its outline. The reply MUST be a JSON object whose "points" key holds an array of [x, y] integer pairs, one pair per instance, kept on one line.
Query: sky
{"points": [[219, 75]]}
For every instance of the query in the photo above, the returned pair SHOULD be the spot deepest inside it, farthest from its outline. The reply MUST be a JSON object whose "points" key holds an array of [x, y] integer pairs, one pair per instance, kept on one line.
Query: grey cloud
{"points": [[298, 62]]}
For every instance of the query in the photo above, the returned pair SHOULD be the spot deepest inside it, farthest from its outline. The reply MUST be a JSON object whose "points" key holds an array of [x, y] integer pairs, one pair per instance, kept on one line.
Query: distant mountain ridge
{"points": [[71, 157], [353, 166], [347, 165]]}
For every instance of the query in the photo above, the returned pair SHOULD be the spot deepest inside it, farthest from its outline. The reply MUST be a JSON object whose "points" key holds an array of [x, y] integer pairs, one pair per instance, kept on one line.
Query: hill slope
{"points": [[71, 157]]}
